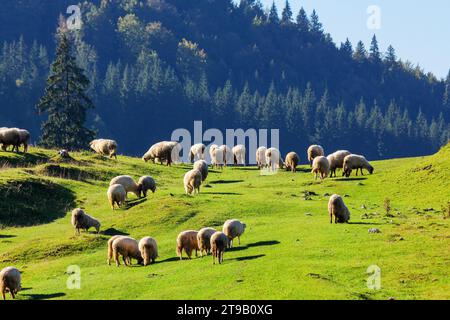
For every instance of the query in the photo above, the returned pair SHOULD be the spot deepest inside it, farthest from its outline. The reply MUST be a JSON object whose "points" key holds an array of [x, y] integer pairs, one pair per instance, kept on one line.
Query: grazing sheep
{"points": [[217, 157], [110, 248], [24, 139], [8, 137], [354, 161], [116, 195], [320, 166], [203, 239], [261, 157], [239, 154], [292, 160], [219, 242], [233, 228], [105, 147], [211, 151], [10, 281], [146, 183], [81, 220], [314, 151], [128, 248], [273, 159], [128, 183], [202, 166], [338, 209], [336, 160], [192, 181], [164, 151], [149, 250], [187, 241], [227, 154], [197, 152]]}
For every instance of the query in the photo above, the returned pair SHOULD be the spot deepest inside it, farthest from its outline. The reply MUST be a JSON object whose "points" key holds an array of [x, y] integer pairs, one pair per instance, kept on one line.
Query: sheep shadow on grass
{"points": [[249, 257], [255, 244], [350, 179], [114, 232], [132, 203], [42, 296], [225, 181], [7, 236]]}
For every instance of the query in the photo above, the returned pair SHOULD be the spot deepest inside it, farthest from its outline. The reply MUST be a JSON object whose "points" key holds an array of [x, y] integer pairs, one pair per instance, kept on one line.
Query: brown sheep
{"points": [[203, 239], [219, 242], [187, 241], [128, 248], [338, 209], [81, 220], [292, 160]]}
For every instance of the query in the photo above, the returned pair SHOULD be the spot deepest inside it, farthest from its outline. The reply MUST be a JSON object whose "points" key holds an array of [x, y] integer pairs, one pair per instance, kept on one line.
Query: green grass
{"points": [[289, 250]]}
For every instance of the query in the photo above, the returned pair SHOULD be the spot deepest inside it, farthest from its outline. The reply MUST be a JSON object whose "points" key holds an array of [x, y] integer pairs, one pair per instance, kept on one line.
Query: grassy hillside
{"points": [[289, 250]]}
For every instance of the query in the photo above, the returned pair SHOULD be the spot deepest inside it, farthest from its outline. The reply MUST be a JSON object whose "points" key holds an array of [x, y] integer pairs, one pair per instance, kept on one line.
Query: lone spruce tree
{"points": [[65, 100]]}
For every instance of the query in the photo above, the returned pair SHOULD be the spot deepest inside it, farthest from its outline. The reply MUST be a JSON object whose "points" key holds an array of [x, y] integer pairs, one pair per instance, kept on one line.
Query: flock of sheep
{"points": [[206, 240]]}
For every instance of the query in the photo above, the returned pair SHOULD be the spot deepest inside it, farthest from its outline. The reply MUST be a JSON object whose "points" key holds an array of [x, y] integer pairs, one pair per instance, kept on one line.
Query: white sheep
{"points": [[116, 195], [197, 152], [192, 181], [204, 240], [110, 248], [218, 243], [81, 220], [321, 167], [338, 209], [149, 250], [261, 157], [273, 159], [187, 241], [106, 147], [358, 162], [239, 154], [315, 151], [227, 154], [202, 166], [10, 281], [128, 183], [217, 157], [292, 160], [233, 228], [146, 183], [336, 160], [163, 151], [211, 149]]}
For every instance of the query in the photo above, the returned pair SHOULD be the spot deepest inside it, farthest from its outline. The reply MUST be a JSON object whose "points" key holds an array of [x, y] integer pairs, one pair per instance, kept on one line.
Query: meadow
{"points": [[288, 251]]}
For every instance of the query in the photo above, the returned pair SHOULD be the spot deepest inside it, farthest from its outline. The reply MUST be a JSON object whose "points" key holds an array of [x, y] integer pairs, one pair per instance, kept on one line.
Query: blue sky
{"points": [[418, 30]]}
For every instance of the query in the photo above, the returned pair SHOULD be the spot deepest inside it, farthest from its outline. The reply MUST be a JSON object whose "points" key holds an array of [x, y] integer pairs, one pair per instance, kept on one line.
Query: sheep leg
{"points": [[3, 295], [116, 258], [12, 294], [362, 173], [239, 240], [331, 218]]}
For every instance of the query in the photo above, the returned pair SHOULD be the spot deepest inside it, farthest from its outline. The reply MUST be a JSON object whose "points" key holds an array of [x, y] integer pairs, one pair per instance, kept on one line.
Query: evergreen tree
{"points": [[390, 56], [302, 20], [316, 25], [374, 54], [347, 48], [273, 14], [65, 100], [286, 15], [360, 53]]}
